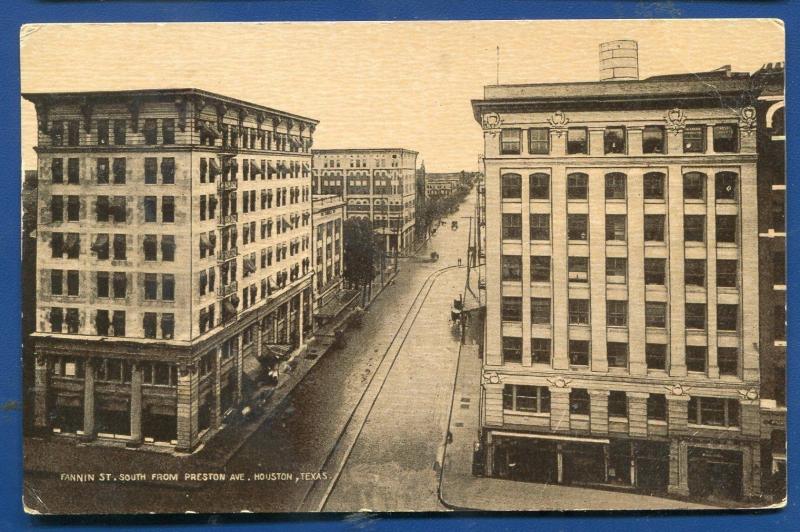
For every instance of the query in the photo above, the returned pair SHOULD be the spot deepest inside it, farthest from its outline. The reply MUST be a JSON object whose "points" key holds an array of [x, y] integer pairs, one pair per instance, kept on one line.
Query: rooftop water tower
{"points": [[619, 60]]}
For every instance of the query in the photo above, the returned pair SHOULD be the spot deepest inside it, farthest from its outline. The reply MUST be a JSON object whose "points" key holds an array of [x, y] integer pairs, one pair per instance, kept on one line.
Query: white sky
{"points": [[373, 84]]}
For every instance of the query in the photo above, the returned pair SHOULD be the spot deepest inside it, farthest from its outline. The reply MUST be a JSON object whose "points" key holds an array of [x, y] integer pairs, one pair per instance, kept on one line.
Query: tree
{"points": [[360, 253]]}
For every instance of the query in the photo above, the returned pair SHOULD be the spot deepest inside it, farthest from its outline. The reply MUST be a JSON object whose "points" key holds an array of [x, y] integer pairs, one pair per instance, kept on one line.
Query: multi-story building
{"points": [[173, 261], [328, 257], [439, 185], [622, 343], [377, 184], [772, 274]]}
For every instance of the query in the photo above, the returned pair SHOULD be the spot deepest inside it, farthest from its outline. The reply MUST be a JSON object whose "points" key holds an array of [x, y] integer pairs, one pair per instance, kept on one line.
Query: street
{"points": [[387, 430]]}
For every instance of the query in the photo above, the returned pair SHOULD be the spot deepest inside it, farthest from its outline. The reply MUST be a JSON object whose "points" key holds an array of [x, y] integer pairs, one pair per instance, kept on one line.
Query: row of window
{"points": [[725, 139], [579, 355], [617, 270], [616, 227], [112, 323], [69, 245], [115, 370], [234, 136], [119, 170], [710, 411], [617, 313], [359, 161], [228, 169], [112, 284], [653, 186]]}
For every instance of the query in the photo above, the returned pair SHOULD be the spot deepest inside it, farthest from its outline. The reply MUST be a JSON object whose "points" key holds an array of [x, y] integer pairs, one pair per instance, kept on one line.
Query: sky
{"points": [[373, 84]]}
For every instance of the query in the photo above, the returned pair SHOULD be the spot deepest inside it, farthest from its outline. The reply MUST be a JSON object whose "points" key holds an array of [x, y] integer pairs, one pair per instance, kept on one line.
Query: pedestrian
{"points": [[459, 261]]}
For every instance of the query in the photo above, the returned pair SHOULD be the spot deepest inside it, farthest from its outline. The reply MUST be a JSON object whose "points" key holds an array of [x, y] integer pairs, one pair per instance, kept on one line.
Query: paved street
{"points": [[401, 433]]}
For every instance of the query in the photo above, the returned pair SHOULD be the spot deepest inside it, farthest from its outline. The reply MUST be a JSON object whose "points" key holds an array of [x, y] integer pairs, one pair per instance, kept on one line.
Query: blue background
{"points": [[18, 12]]}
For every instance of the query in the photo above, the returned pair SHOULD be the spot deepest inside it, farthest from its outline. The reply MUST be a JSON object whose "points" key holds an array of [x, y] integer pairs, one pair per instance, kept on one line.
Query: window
{"points": [[522, 398], [512, 268], [510, 141], [56, 319], [150, 208], [73, 208], [102, 132], [120, 285], [73, 171], [168, 131], [617, 404], [695, 272], [577, 141], [149, 324], [150, 171], [653, 139], [102, 208], [150, 286], [539, 185], [120, 247], [694, 186], [168, 287], [72, 245], [538, 141], [119, 170], [727, 317], [512, 349], [696, 316], [168, 248], [725, 185], [118, 321], [150, 247], [578, 269], [727, 273], [57, 171], [56, 208], [615, 185], [540, 226], [655, 356], [615, 227], [119, 209], [617, 354], [577, 186], [694, 228], [56, 282], [653, 185], [657, 407], [73, 132], [512, 226], [150, 131], [540, 311], [714, 411], [655, 314], [579, 352], [726, 138], [655, 271], [579, 312], [511, 308], [101, 322], [167, 209], [728, 361], [540, 350], [577, 227], [512, 186], [696, 356], [579, 403], [102, 171], [540, 269], [614, 140], [168, 170], [120, 129], [726, 228], [694, 139], [616, 313], [616, 270], [100, 246], [654, 227], [167, 326]]}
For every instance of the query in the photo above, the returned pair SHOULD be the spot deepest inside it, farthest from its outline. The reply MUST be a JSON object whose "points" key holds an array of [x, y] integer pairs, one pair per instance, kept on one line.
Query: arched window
{"points": [[725, 185], [539, 186], [512, 186], [694, 185], [577, 186], [615, 185], [653, 185]]}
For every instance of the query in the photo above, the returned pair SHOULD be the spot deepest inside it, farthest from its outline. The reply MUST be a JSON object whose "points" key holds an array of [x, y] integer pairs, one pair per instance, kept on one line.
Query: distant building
{"points": [[377, 184], [29, 219], [173, 260], [622, 276], [441, 185]]}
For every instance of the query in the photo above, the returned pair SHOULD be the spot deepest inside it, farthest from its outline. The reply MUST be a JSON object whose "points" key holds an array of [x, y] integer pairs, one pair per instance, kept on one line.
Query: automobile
{"points": [[454, 225]]}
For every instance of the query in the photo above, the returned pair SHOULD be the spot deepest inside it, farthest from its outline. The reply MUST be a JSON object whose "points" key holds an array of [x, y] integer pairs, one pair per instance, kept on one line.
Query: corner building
{"points": [[173, 260], [377, 184], [622, 284]]}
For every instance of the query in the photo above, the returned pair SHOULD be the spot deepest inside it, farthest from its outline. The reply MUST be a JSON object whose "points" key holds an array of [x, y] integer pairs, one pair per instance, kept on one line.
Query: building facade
{"points": [[442, 185], [772, 274], [622, 284], [327, 252], [376, 184], [173, 261]]}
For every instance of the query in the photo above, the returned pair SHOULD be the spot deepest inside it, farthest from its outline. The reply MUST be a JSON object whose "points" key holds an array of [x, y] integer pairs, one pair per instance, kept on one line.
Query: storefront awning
{"points": [[602, 441]]}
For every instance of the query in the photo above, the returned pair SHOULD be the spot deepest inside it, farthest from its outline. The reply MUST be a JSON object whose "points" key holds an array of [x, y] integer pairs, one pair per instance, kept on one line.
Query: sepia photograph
{"points": [[423, 266]]}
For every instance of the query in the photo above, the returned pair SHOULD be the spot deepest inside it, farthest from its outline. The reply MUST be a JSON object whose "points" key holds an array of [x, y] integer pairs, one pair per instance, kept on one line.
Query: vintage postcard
{"points": [[403, 266]]}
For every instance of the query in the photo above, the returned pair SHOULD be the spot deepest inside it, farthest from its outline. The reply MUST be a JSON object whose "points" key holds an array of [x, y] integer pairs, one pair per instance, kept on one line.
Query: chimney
{"points": [[619, 60]]}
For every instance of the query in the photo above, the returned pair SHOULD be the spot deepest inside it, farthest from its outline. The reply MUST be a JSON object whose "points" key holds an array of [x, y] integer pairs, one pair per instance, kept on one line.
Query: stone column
{"points": [[599, 411], [88, 400], [637, 414], [216, 412], [300, 338], [750, 418], [525, 242], [136, 405], [636, 288], [40, 393], [712, 368], [678, 469], [187, 408], [239, 368], [678, 413], [596, 144], [676, 266], [597, 266], [751, 471], [559, 409], [634, 140], [560, 283]]}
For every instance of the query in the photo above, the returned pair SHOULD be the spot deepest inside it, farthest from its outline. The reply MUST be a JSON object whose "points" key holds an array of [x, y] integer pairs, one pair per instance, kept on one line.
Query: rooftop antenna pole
{"points": [[498, 65]]}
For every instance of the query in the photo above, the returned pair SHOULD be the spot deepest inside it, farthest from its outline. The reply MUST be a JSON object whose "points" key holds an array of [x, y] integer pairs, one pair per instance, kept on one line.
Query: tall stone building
{"points": [[622, 255], [173, 261], [377, 184]]}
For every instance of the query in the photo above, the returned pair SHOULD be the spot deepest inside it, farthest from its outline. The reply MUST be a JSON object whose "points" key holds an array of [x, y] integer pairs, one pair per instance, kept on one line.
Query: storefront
{"points": [[715, 474]]}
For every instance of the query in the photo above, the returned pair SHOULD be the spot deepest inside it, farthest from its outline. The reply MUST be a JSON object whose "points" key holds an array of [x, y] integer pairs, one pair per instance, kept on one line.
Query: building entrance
{"points": [[715, 473], [527, 460]]}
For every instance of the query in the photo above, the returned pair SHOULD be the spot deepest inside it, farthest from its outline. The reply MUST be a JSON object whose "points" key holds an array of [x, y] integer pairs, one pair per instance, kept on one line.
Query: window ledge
{"points": [[523, 413], [657, 422], [714, 427], [617, 419], [579, 417]]}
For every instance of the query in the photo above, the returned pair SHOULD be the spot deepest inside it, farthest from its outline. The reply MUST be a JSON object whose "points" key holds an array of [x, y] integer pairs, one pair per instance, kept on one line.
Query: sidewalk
{"points": [[460, 490]]}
